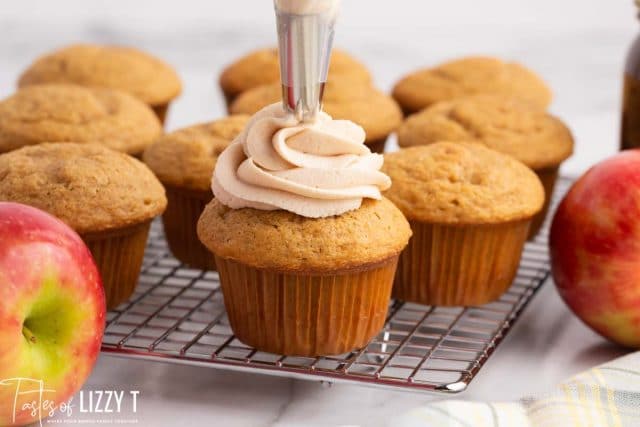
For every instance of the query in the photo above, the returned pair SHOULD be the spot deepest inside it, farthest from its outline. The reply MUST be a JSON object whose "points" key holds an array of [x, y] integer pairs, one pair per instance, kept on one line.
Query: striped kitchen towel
{"points": [[608, 395]]}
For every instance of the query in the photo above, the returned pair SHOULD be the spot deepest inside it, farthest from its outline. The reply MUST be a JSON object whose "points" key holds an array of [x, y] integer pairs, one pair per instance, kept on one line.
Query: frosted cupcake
{"points": [[305, 244]]}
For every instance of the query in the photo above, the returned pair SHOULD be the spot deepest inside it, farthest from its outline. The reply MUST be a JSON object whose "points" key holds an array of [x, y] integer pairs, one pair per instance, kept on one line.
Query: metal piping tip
{"points": [[305, 38]]}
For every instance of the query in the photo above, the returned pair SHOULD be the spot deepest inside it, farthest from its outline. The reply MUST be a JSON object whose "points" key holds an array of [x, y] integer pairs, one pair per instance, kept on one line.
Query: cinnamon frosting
{"points": [[315, 170], [305, 7]]}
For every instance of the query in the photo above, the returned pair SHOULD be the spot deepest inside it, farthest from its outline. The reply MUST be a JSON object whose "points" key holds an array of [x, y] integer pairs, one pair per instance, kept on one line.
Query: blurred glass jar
{"points": [[630, 131]]}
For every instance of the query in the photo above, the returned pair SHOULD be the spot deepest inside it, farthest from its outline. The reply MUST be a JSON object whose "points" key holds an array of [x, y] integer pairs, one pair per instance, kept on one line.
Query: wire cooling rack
{"points": [[177, 315]]}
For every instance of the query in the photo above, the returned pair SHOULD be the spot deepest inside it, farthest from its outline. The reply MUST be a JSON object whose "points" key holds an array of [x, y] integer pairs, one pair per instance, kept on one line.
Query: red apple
{"points": [[595, 248], [52, 314]]}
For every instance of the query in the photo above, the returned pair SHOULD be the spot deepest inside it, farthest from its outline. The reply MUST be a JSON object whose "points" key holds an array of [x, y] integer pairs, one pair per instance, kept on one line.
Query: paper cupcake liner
{"points": [[161, 112], [118, 255], [300, 314], [459, 265], [377, 146], [548, 177], [180, 226]]}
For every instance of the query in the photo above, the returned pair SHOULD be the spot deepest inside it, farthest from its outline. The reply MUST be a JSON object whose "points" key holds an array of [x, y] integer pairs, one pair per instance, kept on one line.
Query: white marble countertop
{"points": [[577, 45]]}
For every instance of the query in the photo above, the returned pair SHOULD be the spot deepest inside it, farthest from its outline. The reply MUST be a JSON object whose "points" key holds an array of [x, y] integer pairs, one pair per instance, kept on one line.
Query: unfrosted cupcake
{"points": [[107, 197], [305, 245], [528, 133], [144, 76], [344, 99], [71, 113], [470, 76], [184, 161], [470, 209], [263, 67]]}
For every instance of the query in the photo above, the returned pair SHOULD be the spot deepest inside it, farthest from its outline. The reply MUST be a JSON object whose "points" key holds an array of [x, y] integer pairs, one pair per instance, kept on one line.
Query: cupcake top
{"points": [[90, 187], [263, 67], [504, 124], [186, 158], [470, 76], [344, 99], [462, 183], [69, 113], [130, 70], [228, 127], [285, 241], [316, 169]]}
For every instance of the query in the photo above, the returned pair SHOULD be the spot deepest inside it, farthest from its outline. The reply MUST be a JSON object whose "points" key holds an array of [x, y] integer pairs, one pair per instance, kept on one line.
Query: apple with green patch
{"points": [[595, 248], [52, 314]]}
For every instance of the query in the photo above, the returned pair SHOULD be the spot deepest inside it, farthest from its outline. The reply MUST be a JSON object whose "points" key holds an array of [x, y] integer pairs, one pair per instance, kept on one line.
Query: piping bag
{"points": [[305, 39]]}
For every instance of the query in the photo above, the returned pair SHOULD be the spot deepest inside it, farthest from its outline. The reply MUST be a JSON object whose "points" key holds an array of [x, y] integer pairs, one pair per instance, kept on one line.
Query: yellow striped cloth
{"points": [[608, 395]]}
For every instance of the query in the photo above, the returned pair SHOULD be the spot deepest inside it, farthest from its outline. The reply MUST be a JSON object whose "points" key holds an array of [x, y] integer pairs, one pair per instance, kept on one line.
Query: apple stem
{"points": [[28, 334]]}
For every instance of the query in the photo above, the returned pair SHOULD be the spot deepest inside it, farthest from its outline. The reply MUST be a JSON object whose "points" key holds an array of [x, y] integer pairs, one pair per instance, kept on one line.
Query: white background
{"points": [[577, 45]]}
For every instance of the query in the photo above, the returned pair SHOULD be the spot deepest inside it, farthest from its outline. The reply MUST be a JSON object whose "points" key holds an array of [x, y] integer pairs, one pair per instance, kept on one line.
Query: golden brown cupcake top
{"points": [[263, 67], [69, 113], [470, 76], [186, 158], [461, 183], [344, 99], [510, 126], [285, 241], [130, 70], [228, 127], [90, 187]]}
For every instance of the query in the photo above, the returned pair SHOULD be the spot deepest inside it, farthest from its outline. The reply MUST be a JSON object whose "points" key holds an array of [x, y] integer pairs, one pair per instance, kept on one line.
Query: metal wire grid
{"points": [[177, 315]]}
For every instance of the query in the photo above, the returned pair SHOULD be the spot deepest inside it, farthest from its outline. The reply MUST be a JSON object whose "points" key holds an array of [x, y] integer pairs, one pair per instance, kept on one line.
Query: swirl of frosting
{"points": [[315, 170], [305, 7]]}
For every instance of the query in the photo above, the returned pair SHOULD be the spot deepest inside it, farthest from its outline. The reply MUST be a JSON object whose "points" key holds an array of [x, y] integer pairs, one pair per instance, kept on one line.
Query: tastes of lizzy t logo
{"points": [[31, 398]]}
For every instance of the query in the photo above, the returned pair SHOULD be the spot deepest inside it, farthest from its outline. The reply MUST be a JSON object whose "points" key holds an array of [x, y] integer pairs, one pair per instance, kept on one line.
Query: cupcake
{"points": [[183, 161], [536, 138], [470, 76], [304, 243], [129, 70], [344, 99], [70, 113], [263, 67], [470, 209], [109, 198]]}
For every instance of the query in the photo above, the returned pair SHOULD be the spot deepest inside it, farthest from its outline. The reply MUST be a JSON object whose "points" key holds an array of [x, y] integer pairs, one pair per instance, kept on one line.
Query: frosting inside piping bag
{"points": [[316, 170]]}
